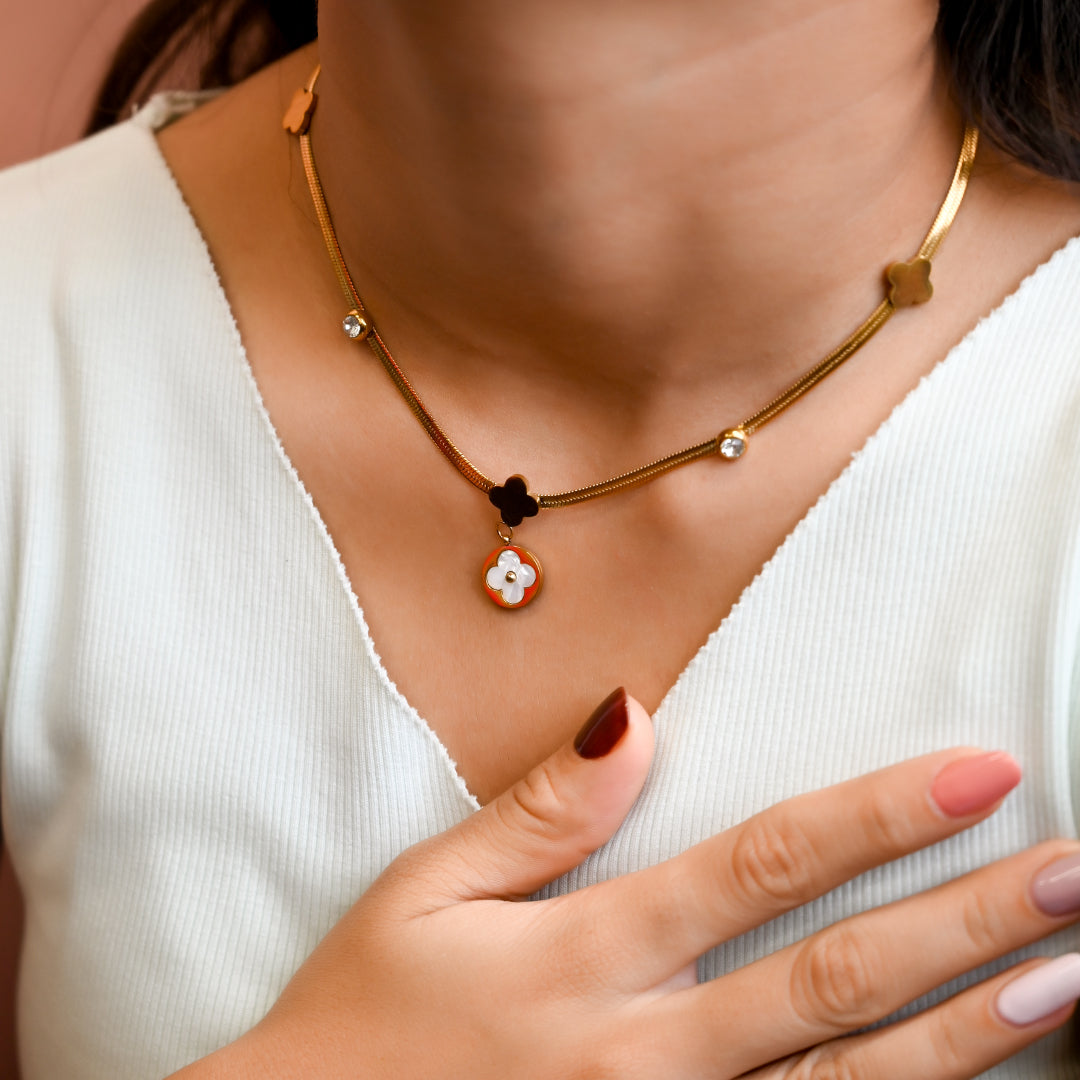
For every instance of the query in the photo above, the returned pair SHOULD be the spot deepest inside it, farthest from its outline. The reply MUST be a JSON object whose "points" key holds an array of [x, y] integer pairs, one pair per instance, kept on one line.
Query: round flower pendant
{"points": [[512, 576]]}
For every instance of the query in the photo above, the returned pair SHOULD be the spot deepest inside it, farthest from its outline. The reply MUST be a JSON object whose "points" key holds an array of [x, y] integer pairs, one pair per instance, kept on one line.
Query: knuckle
{"points": [[836, 980], [945, 1043], [824, 1063], [984, 923], [533, 805], [773, 860], [889, 826]]}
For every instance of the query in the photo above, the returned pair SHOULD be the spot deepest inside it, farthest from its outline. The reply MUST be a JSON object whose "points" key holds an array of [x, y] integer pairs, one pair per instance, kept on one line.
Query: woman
{"points": [[591, 235]]}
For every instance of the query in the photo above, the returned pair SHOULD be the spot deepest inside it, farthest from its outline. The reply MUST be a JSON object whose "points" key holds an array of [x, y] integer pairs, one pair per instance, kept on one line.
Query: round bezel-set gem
{"points": [[355, 325], [732, 444]]}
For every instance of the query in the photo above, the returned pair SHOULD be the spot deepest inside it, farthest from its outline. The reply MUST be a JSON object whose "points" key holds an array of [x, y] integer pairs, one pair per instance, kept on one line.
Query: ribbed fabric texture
{"points": [[203, 760]]}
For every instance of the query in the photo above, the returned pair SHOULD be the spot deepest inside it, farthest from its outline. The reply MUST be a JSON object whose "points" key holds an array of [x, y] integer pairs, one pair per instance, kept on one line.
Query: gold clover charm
{"points": [[297, 117], [909, 282]]}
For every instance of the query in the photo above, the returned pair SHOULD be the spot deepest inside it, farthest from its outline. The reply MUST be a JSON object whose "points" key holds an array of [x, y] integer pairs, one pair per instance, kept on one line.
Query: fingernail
{"points": [[606, 726], [973, 783], [1041, 992], [1056, 888]]}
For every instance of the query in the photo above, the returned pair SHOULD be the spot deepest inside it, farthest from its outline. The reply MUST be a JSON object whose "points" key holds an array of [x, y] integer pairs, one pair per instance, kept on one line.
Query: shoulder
{"points": [[91, 238], [49, 206], [1041, 318], [1023, 250], [64, 217]]}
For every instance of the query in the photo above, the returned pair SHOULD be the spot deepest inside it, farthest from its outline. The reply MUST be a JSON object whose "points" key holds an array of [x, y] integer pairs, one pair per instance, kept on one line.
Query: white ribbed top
{"points": [[203, 760]]}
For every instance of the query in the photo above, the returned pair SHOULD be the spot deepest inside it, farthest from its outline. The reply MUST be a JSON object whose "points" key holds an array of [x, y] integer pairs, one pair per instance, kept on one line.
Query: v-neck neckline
{"points": [[167, 106]]}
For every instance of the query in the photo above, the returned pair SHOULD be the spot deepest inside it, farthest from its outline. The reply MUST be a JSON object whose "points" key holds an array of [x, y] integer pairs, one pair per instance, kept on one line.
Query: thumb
{"points": [[564, 809]]}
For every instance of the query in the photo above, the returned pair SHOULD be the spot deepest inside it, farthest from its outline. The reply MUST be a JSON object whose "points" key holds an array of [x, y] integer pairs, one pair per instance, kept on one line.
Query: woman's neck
{"points": [[629, 194]]}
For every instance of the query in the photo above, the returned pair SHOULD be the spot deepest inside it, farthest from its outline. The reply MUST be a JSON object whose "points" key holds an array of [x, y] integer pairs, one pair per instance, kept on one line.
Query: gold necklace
{"points": [[511, 574]]}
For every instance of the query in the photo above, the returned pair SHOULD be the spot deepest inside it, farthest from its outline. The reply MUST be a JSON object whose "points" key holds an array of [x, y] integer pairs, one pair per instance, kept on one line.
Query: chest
{"points": [[634, 583], [227, 754]]}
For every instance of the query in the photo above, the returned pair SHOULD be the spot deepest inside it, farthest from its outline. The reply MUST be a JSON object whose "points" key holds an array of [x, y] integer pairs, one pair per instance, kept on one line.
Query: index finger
{"points": [[789, 854]]}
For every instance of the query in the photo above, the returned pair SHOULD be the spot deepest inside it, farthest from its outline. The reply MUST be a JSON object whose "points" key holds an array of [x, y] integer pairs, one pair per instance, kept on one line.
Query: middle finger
{"points": [[866, 967], [657, 920]]}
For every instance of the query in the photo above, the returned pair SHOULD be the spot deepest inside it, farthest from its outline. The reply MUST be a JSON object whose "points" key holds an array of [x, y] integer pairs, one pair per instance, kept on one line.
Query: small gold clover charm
{"points": [[298, 116], [909, 282]]}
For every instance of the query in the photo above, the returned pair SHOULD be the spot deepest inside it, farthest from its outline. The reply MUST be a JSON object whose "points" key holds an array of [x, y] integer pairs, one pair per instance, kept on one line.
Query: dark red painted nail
{"points": [[606, 726]]}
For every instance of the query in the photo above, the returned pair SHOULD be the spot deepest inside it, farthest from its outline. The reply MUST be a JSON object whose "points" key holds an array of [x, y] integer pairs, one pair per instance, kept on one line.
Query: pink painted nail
{"points": [[1041, 992], [974, 783], [1056, 888]]}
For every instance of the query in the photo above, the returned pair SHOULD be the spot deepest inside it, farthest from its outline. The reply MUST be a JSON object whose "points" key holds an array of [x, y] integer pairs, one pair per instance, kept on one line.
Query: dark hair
{"points": [[1015, 64], [1015, 68], [224, 40]]}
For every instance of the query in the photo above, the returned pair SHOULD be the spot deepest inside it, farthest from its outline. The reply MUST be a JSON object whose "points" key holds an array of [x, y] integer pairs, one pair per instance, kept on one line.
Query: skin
{"points": [[601, 317], [602, 984], [592, 234]]}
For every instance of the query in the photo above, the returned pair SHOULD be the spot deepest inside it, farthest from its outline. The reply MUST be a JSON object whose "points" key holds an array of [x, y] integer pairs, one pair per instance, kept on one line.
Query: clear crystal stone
{"points": [[352, 326], [732, 447]]}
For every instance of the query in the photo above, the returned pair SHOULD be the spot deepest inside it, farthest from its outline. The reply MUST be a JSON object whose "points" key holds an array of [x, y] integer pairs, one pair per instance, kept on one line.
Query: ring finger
{"points": [[860, 970], [957, 1040]]}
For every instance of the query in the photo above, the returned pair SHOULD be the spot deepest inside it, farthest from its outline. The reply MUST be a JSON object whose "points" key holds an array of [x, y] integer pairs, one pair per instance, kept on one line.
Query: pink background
{"points": [[53, 54]]}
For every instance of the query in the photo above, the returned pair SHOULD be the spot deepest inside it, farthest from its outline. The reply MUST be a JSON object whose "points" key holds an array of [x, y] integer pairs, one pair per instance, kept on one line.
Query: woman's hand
{"points": [[435, 973]]}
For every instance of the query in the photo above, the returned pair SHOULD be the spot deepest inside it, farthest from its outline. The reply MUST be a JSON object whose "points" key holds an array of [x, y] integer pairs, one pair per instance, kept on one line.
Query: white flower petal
{"points": [[496, 578], [508, 560], [526, 575], [513, 592]]}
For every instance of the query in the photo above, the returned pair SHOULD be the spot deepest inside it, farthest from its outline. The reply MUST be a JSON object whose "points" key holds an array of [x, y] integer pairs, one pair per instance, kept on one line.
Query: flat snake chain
{"points": [[643, 473]]}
